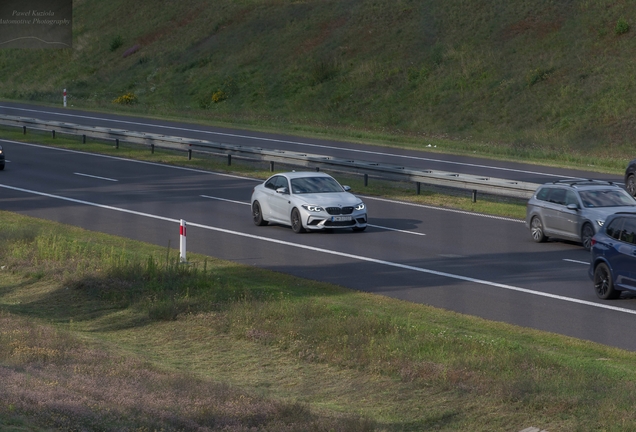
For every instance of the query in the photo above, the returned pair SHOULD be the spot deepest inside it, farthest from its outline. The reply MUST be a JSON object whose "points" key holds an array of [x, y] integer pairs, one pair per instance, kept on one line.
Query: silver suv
{"points": [[574, 209]]}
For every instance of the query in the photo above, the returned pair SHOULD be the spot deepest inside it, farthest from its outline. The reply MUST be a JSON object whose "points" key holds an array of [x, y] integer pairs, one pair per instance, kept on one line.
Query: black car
{"points": [[613, 265], [1, 159], [630, 178]]}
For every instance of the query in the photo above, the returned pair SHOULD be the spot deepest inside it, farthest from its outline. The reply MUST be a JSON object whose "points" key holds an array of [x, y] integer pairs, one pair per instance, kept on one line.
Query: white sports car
{"points": [[307, 201]]}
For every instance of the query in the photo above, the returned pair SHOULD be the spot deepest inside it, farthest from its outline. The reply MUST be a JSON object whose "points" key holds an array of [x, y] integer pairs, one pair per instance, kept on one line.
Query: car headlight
{"points": [[312, 208], [359, 206], [600, 222]]}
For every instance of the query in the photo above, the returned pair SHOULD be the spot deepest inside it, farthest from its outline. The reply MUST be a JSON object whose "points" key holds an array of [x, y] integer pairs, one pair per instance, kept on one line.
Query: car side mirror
{"points": [[346, 188], [572, 207], [282, 190]]}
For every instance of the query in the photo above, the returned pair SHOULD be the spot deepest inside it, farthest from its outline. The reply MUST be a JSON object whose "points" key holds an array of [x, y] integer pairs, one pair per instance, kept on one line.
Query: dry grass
{"points": [[130, 340]]}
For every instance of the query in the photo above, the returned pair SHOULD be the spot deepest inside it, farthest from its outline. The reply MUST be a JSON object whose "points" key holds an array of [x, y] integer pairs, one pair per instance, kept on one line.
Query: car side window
{"points": [[614, 228], [570, 198], [271, 183], [543, 194], [282, 183], [557, 196], [628, 233]]}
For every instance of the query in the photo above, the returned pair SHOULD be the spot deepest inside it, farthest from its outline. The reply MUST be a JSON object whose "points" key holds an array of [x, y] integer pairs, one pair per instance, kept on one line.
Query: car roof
{"points": [[299, 174]]}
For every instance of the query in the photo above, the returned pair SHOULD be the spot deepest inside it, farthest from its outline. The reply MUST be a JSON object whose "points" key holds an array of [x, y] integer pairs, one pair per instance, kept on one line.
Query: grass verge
{"points": [[103, 333]]}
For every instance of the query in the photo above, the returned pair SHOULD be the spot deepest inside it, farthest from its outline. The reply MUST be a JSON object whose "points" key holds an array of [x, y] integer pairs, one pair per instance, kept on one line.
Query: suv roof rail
{"points": [[581, 181]]}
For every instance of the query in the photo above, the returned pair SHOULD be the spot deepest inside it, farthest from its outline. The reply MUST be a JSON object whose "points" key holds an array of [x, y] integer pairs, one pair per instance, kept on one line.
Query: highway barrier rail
{"points": [[473, 183]]}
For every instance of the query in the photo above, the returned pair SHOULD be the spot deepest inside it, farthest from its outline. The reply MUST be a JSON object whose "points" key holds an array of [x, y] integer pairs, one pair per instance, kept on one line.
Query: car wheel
{"points": [[296, 222], [1, 167], [586, 236], [630, 185], [359, 229], [536, 229], [257, 214], [603, 284]]}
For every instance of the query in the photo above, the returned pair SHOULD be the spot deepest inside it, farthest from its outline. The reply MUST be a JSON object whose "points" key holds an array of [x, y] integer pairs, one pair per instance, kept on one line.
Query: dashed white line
{"points": [[336, 253], [576, 261], [223, 199], [95, 177]]}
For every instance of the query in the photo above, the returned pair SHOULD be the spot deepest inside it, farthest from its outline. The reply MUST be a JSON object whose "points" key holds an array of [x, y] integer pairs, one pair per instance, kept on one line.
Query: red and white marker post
{"points": [[182, 242], [64, 98]]}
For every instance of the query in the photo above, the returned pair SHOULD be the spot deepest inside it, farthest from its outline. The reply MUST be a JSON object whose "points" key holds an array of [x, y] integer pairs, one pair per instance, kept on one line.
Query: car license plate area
{"points": [[340, 218]]}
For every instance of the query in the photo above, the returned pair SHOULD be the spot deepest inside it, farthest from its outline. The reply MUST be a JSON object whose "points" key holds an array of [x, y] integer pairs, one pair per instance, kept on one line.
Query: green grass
{"points": [[542, 81], [103, 333]]}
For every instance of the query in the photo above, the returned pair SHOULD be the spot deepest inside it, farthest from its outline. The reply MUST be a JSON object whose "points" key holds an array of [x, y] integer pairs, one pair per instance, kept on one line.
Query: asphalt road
{"points": [[474, 264], [518, 171]]}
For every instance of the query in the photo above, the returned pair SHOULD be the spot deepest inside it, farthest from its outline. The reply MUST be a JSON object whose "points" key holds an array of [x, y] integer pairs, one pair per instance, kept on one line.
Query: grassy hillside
{"points": [[544, 77]]}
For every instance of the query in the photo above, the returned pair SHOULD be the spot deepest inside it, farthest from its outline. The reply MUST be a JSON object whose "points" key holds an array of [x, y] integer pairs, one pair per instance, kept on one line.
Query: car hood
{"points": [[334, 199], [603, 212]]}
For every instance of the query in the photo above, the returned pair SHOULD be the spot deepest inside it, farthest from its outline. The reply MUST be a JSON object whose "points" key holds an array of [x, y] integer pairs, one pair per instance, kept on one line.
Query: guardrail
{"points": [[487, 185]]}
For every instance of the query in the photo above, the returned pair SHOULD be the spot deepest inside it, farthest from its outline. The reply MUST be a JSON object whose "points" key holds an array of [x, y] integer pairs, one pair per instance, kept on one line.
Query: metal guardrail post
{"points": [[189, 154], [229, 160], [116, 143], [84, 139], [53, 133], [417, 187]]}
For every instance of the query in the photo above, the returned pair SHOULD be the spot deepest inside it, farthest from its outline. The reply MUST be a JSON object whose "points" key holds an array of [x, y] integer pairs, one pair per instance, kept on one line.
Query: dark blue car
{"points": [[613, 265]]}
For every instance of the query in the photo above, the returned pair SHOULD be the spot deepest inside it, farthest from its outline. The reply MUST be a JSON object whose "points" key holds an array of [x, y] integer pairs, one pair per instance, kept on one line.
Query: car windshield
{"points": [[606, 198], [306, 185]]}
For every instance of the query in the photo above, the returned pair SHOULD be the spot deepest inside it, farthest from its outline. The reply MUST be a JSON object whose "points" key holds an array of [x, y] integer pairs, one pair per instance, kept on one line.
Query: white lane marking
{"points": [[375, 226], [575, 261], [336, 253], [377, 153], [223, 199], [444, 209], [95, 177], [398, 230]]}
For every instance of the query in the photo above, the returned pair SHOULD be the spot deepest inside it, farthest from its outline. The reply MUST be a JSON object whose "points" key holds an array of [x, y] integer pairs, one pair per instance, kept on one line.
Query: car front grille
{"points": [[339, 210]]}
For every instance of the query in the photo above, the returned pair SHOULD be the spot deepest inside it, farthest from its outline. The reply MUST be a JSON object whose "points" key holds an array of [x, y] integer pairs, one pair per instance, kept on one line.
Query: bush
{"points": [[127, 99], [621, 27], [219, 96], [116, 42]]}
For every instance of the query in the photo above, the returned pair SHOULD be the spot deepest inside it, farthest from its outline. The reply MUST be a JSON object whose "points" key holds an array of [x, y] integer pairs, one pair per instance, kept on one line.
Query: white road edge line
{"points": [[375, 226], [336, 253], [95, 177], [287, 142]]}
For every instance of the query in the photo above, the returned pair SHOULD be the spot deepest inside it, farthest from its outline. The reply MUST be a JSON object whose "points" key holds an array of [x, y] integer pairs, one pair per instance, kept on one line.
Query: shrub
{"points": [[116, 42], [537, 75], [219, 96], [621, 26], [126, 99]]}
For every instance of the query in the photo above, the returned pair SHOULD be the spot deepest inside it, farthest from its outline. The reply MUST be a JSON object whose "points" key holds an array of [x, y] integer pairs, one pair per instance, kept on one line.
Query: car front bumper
{"points": [[317, 222]]}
